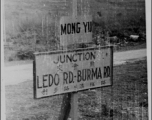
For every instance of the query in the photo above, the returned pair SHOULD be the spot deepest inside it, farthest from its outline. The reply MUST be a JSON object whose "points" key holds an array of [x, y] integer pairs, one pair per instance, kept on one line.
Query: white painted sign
{"points": [[75, 30], [74, 70]]}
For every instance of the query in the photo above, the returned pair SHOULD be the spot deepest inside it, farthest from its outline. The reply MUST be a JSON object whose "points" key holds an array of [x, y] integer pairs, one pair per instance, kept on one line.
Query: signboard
{"points": [[75, 30], [70, 71]]}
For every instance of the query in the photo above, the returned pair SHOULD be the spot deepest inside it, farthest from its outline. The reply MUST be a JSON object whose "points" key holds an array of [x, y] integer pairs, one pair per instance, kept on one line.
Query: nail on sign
{"points": [[75, 30]]}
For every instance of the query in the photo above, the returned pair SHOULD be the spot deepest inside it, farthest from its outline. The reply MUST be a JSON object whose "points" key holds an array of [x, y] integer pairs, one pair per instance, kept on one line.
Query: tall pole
{"points": [[69, 105], [74, 96]]}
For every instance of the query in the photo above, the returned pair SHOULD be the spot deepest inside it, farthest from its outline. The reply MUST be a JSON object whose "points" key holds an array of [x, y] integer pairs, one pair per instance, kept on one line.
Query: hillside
{"points": [[18, 12], [33, 24]]}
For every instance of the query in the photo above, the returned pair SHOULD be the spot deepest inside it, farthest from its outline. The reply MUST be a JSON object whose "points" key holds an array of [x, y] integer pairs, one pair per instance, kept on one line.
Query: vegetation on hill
{"points": [[33, 25]]}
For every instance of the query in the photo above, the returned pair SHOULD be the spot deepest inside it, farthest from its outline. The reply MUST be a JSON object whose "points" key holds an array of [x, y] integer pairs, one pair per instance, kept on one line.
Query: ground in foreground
{"points": [[126, 99]]}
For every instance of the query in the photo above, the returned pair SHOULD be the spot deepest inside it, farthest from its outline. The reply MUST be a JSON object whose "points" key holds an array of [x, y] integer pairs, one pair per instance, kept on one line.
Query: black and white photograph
{"points": [[75, 60]]}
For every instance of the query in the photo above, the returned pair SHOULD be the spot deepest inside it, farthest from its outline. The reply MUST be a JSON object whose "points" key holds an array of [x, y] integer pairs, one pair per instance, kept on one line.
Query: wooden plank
{"points": [[66, 77]]}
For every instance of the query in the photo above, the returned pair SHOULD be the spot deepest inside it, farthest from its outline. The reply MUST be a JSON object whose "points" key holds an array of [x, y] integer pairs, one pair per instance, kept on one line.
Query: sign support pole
{"points": [[70, 101], [65, 107], [74, 96], [74, 107]]}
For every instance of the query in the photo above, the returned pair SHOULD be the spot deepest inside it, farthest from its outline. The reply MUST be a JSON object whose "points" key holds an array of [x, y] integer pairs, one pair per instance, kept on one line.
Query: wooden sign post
{"points": [[70, 101], [74, 96], [69, 71]]}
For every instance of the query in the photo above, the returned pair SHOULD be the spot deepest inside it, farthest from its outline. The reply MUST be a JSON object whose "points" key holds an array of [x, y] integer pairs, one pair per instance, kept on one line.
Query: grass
{"points": [[131, 46], [27, 54], [33, 25], [126, 99], [27, 30]]}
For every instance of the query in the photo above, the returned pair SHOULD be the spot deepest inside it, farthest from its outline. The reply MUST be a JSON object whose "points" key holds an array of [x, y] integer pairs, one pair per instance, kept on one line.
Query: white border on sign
{"points": [[148, 34], [70, 51], [3, 110]]}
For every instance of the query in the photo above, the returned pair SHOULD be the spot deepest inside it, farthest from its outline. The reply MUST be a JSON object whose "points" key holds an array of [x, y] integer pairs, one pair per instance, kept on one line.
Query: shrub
{"points": [[23, 55]]}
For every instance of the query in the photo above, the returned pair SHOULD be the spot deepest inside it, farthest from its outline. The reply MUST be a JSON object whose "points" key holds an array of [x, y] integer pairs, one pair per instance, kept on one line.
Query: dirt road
{"points": [[15, 74]]}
